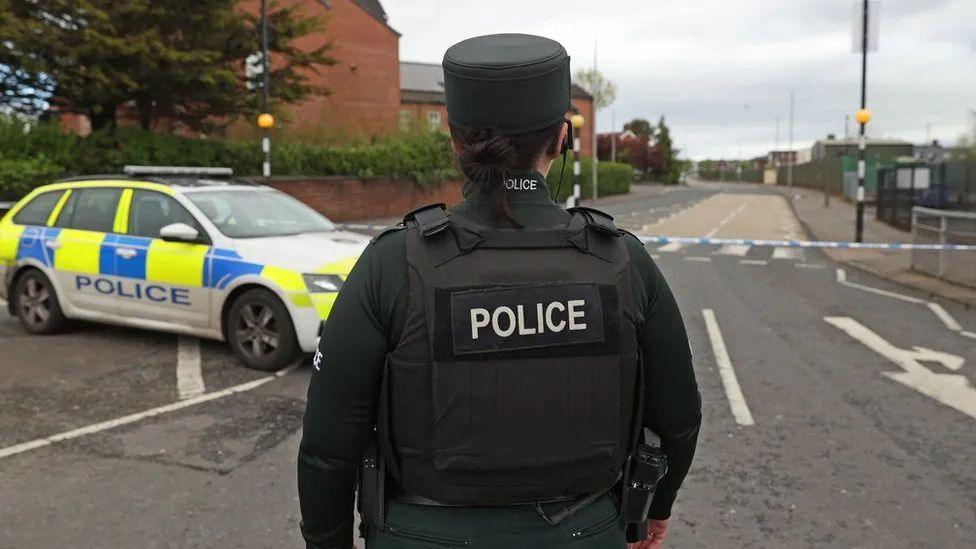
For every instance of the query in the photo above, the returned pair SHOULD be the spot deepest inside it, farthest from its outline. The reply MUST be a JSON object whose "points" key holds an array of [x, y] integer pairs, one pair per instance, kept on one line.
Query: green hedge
{"points": [[612, 178], [36, 154]]}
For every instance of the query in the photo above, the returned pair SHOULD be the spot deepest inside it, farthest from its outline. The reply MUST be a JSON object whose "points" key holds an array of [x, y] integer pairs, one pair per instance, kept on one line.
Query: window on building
{"points": [[434, 120], [405, 120]]}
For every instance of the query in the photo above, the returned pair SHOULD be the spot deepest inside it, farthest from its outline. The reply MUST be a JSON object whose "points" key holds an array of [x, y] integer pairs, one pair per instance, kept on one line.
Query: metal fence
{"points": [[931, 226]]}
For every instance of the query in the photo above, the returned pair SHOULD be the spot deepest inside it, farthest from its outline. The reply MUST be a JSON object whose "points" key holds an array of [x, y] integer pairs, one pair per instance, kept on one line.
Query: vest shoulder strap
{"points": [[389, 230], [596, 219], [431, 219]]}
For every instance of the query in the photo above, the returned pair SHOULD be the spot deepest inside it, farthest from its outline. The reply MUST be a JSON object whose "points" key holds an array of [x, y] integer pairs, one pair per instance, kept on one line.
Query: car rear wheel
{"points": [[37, 305], [260, 331]]}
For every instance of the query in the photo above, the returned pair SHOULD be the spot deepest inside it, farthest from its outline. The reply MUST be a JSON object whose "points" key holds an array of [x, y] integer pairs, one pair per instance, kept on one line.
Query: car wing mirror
{"points": [[179, 232]]}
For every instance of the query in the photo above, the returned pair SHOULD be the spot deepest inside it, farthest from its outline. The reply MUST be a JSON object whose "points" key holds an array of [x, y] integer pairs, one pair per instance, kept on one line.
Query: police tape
{"points": [[807, 244], [764, 242]]}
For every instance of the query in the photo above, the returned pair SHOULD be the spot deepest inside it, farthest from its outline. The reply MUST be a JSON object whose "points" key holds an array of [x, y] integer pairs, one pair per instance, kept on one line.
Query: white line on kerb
{"points": [[698, 258], [740, 410], [138, 416], [842, 278], [753, 262], [189, 377]]}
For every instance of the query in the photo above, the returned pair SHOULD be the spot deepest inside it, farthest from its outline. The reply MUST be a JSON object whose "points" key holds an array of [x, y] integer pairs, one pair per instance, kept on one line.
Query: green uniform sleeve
{"points": [[343, 393], [672, 404]]}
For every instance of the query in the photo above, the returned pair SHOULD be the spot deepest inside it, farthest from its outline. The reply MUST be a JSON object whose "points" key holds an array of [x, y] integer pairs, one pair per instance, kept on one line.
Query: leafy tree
{"points": [[640, 127], [178, 59], [670, 167], [604, 92]]}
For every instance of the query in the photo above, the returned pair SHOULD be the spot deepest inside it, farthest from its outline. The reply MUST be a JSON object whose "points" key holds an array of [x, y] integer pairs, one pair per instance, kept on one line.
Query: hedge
{"points": [[612, 178], [36, 154]]}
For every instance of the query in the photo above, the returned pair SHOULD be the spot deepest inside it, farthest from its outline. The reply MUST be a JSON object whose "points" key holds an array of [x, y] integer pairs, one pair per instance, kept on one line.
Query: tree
{"points": [[640, 127], [604, 92], [967, 141], [178, 59], [670, 168]]}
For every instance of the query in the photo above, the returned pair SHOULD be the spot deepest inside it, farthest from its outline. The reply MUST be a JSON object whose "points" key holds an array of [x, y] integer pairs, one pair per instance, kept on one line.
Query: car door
{"points": [[166, 278], [86, 220]]}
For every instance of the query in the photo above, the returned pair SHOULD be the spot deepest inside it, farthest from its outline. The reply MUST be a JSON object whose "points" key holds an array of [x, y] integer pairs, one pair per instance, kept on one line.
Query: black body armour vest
{"points": [[517, 375]]}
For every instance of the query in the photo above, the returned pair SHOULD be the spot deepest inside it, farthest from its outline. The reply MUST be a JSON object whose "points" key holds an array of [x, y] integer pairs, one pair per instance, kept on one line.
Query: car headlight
{"points": [[322, 282]]}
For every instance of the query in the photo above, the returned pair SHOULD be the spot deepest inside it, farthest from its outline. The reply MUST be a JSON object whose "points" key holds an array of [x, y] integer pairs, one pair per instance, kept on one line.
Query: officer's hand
{"points": [[657, 532]]}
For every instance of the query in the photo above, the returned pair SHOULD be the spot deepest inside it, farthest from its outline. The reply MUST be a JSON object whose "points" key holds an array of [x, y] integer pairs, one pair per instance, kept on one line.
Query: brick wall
{"points": [[364, 84], [585, 108], [351, 199]]}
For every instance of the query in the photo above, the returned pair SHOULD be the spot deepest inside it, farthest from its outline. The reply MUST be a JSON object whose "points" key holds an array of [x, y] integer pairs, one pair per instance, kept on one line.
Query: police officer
{"points": [[503, 357]]}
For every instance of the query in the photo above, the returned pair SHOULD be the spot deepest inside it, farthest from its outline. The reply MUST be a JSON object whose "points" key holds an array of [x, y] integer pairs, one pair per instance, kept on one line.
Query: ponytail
{"points": [[488, 158]]}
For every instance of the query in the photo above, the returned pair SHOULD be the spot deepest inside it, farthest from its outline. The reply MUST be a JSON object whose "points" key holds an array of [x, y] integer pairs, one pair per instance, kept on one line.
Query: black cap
{"points": [[518, 83]]}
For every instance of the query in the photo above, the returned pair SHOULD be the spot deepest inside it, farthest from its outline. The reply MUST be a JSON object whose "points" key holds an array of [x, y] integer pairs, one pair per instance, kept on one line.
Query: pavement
{"points": [[836, 222], [839, 409]]}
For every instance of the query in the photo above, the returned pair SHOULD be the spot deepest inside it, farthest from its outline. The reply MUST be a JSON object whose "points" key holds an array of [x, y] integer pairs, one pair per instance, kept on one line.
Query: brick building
{"points": [[422, 103]]}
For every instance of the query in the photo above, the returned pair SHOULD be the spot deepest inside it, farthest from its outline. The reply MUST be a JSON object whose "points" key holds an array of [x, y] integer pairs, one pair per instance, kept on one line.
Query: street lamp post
{"points": [[577, 121], [862, 116], [265, 121]]}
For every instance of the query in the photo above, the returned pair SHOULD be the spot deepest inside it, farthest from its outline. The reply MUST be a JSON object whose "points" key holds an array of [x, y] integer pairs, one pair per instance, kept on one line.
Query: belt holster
{"points": [[372, 491]]}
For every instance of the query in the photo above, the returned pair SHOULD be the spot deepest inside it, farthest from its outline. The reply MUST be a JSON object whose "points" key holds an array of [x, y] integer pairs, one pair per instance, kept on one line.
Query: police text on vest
{"points": [[554, 317]]}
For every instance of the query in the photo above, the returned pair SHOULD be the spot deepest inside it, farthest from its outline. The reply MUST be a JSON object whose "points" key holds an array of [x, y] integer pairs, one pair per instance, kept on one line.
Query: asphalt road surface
{"points": [[839, 410]]}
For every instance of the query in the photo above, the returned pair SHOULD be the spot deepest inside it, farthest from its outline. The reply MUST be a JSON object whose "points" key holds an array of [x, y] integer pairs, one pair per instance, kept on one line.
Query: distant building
{"points": [[422, 102], [776, 159], [880, 148]]}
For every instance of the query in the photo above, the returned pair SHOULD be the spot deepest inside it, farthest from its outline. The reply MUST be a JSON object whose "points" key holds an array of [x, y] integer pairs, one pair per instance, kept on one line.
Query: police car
{"points": [[184, 250]]}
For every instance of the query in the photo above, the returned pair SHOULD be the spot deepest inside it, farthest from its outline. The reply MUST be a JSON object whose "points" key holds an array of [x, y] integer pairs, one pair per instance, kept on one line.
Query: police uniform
{"points": [[503, 373]]}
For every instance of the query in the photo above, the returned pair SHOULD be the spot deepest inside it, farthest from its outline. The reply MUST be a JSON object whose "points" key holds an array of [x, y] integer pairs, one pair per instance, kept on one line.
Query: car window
{"points": [[150, 211], [90, 210], [38, 209], [258, 213]]}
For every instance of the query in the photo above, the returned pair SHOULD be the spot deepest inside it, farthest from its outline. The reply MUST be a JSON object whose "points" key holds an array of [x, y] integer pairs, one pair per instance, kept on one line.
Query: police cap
{"points": [[518, 83]]}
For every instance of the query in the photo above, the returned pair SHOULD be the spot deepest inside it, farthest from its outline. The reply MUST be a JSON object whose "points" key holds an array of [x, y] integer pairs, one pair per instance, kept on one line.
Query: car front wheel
{"points": [[36, 304], [260, 331]]}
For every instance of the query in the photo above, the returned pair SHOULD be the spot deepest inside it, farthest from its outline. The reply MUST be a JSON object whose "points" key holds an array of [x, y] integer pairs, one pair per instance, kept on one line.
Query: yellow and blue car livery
{"points": [[113, 276]]}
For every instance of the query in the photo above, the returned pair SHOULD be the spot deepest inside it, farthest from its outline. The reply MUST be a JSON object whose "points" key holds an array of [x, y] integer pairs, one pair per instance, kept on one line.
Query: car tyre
{"points": [[36, 304], [260, 331]]}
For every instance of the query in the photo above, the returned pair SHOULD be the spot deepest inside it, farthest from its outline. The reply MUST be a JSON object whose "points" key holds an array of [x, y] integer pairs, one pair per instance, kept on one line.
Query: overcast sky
{"points": [[721, 71]]}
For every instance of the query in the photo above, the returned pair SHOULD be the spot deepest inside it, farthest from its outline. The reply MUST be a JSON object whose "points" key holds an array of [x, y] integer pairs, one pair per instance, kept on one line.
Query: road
{"points": [[839, 410]]}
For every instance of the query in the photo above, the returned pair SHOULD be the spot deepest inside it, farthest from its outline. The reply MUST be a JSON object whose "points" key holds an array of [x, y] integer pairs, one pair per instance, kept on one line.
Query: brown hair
{"points": [[488, 157]]}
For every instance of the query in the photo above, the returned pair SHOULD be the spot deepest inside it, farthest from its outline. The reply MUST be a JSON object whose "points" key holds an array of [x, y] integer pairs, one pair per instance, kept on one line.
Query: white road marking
{"points": [[671, 247], [189, 377], [842, 279], [950, 389], [737, 402], [728, 218], [697, 258], [788, 253], [945, 317], [138, 416], [3, 302], [753, 262], [808, 265], [734, 249], [655, 256]]}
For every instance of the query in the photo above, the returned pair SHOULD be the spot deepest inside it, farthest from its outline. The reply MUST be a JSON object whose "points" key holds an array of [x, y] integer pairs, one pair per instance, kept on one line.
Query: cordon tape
{"points": [[767, 243]]}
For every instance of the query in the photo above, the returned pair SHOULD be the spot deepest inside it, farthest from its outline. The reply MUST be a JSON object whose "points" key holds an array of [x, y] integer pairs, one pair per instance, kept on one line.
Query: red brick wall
{"points": [[418, 114], [585, 107], [364, 84], [351, 199]]}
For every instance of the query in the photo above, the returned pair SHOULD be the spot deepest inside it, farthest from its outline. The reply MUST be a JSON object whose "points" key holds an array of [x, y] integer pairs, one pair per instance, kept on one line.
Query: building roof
{"points": [[577, 92], [425, 77], [855, 141], [373, 7], [424, 83]]}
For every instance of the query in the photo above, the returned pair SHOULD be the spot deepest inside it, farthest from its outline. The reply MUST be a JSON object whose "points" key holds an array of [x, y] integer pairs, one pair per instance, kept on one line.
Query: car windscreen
{"points": [[258, 213]]}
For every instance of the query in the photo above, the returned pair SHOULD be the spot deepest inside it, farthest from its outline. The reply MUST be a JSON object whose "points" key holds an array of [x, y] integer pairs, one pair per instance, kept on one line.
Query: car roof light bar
{"points": [[178, 170]]}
